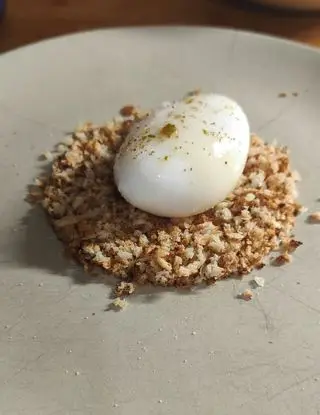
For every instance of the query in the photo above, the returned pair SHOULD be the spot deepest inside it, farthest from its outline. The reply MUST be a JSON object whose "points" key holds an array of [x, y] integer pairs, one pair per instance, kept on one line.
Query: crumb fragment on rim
{"points": [[124, 289], [119, 303], [291, 246], [282, 259], [314, 217], [47, 155], [246, 295]]}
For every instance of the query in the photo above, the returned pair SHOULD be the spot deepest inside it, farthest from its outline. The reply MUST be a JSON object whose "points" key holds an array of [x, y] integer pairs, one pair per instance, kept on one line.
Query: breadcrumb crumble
{"points": [[247, 295], [99, 228], [314, 217]]}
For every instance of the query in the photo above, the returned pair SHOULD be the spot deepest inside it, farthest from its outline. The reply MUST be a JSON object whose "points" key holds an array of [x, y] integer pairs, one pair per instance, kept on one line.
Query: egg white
{"points": [[184, 157]]}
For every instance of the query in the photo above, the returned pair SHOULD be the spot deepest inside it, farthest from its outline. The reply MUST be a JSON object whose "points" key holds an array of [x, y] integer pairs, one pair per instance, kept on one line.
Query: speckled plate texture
{"points": [[169, 352]]}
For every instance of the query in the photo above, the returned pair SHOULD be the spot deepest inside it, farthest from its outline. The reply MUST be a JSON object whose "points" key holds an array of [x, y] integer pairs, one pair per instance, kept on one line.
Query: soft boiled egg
{"points": [[184, 157]]}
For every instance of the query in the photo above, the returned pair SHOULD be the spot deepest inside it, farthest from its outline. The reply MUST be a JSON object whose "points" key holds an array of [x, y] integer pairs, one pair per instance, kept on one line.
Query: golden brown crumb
{"points": [[282, 95], [260, 266], [124, 289], [99, 228], [292, 245], [282, 259], [35, 193], [127, 110], [314, 217], [246, 295]]}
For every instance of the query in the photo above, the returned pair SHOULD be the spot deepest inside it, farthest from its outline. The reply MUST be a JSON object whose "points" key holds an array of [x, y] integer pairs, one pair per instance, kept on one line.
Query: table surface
{"points": [[33, 20]]}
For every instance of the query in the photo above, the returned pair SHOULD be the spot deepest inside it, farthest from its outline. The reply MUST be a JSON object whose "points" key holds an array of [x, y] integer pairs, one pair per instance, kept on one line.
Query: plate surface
{"points": [[168, 353]]}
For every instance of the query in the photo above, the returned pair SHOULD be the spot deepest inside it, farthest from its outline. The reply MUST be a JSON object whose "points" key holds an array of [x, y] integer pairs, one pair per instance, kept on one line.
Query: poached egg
{"points": [[184, 157]]}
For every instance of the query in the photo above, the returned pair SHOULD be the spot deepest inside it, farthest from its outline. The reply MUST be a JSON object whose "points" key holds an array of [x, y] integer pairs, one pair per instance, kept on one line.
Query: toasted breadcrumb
{"points": [[291, 246], [282, 259], [260, 266], [99, 228], [124, 289], [127, 111], [119, 303], [314, 217], [247, 295]]}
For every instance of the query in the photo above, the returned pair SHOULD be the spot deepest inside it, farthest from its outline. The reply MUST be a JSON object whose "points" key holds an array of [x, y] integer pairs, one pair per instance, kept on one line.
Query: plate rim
{"points": [[218, 29]]}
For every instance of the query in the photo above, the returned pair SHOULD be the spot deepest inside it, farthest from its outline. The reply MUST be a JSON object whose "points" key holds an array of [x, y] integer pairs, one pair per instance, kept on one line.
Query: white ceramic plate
{"points": [[60, 352]]}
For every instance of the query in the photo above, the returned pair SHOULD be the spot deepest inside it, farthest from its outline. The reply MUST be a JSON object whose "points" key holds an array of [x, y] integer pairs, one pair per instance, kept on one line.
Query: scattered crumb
{"points": [[258, 281], [194, 333], [61, 148], [291, 246], [48, 156], [314, 217], [19, 284], [115, 405], [160, 401], [295, 94], [246, 295], [160, 329], [66, 371], [139, 358], [185, 361], [250, 197], [127, 110], [260, 266], [68, 140], [124, 289], [282, 259], [69, 351], [100, 229], [41, 284], [282, 95], [40, 182], [77, 373], [120, 303]]}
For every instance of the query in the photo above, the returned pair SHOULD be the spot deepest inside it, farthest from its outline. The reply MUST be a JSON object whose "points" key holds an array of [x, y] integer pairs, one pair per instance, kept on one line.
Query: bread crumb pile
{"points": [[99, 228]]}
